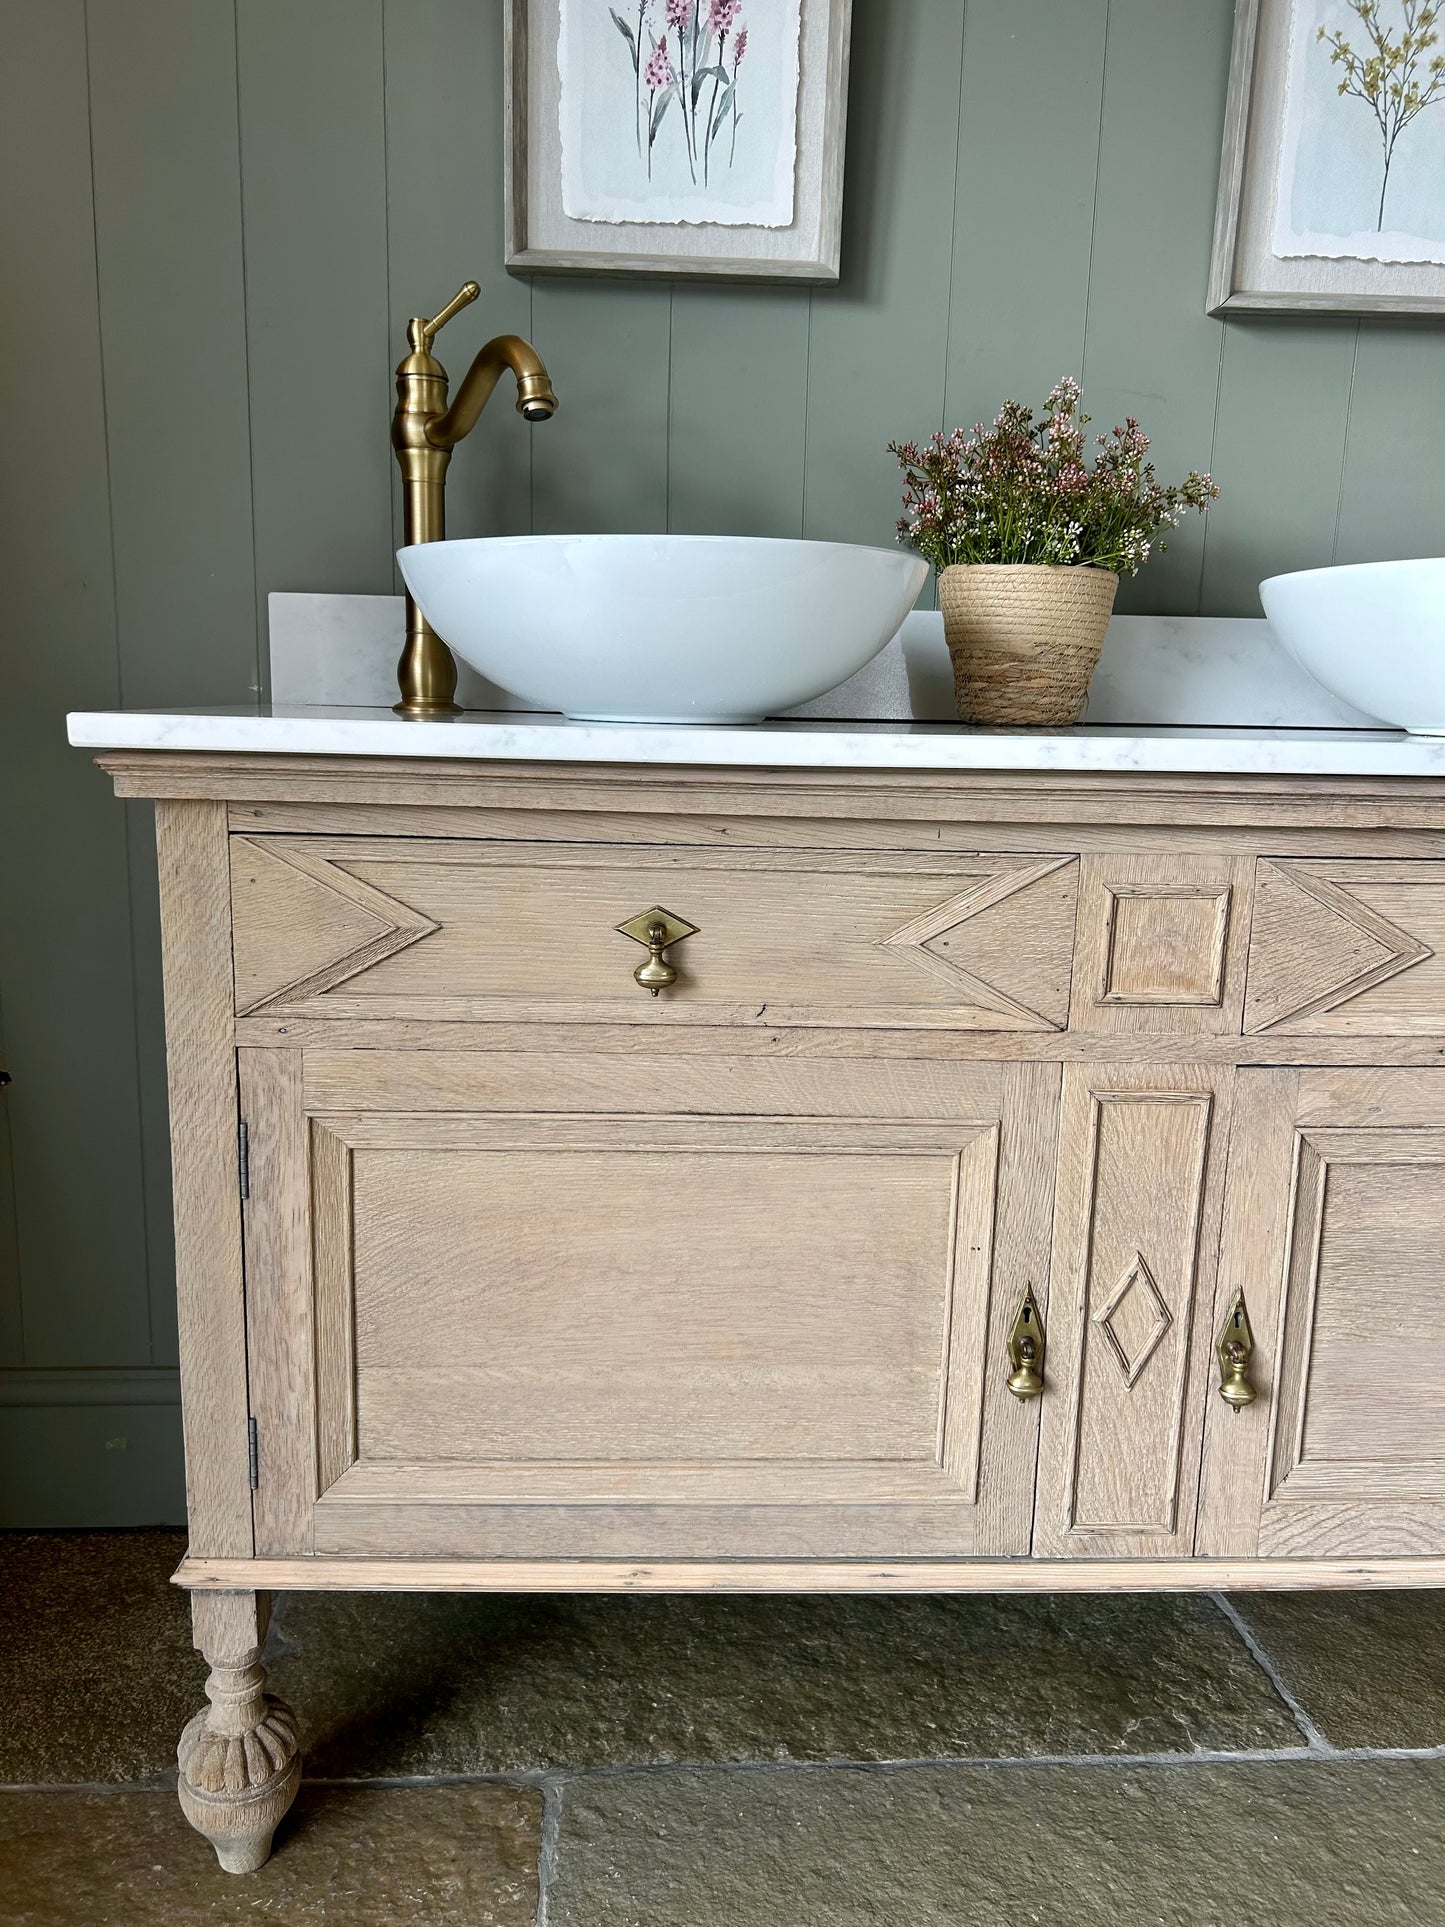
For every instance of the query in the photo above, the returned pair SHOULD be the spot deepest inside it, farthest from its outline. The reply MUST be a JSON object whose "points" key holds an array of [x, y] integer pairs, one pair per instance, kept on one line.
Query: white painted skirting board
{"points": [[1155, 670]]}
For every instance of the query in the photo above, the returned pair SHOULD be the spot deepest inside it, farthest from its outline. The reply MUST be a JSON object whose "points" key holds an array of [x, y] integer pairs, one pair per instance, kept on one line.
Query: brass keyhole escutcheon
{"points": [[657, 930], [1026, 1344], [1236, 1350]]}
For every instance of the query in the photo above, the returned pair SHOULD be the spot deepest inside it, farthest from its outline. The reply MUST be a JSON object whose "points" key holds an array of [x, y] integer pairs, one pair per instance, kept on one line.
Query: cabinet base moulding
{"points": [[834, 1576]]}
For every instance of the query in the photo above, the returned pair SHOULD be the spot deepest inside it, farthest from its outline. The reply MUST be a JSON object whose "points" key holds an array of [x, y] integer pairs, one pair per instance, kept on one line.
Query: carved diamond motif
{"points": [[1138, 1278]]}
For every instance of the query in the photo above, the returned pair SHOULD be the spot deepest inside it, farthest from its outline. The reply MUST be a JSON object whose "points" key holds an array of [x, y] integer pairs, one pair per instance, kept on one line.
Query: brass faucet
{"points": [[424, 431]]}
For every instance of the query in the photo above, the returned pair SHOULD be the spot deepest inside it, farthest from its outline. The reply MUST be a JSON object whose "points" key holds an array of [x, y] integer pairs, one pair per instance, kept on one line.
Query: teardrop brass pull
{"points": [[658, 929], [657, 974], [1026, 1343], [1236, 1349]]}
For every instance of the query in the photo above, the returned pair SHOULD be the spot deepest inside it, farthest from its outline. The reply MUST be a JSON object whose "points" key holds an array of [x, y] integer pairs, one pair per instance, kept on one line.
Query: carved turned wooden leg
{"points": [[239, 1767]]}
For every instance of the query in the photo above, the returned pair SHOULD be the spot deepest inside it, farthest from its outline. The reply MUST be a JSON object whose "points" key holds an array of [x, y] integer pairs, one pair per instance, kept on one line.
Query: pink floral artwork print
{"points": [[709, 120]]}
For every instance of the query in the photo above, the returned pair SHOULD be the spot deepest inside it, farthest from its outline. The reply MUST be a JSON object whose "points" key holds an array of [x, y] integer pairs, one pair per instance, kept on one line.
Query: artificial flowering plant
{"points": [[1025, 491]]}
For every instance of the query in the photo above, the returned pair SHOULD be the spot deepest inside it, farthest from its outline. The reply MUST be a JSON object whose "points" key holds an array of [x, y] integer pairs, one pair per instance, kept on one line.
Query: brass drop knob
{"points": [[1026, 1349], [657, 930], [657, 974], [1236, 1350]]}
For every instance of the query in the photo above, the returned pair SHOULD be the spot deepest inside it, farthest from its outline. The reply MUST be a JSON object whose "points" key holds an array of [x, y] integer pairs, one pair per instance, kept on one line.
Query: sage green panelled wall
{"points": [[217, 216]]}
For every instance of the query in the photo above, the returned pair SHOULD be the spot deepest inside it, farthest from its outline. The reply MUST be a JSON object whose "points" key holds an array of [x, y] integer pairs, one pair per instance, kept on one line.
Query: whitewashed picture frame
{"points": [[1253, 271], [606, 175]]}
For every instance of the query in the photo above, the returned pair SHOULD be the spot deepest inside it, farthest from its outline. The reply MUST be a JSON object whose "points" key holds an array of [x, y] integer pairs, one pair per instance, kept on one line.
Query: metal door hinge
{"points": [[243, 1157], [253, 1453]]}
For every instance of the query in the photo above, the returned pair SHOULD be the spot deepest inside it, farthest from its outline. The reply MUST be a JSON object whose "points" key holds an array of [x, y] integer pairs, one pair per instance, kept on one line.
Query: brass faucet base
{"points": [[427, 712]]}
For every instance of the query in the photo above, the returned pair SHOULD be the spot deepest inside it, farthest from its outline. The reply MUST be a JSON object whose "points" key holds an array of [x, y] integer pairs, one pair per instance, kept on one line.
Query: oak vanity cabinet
{"points": [[986, 1131]]}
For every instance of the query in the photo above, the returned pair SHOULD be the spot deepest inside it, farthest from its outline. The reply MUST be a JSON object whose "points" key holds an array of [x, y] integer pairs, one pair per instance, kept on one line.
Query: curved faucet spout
{"points": [[535, 400]]}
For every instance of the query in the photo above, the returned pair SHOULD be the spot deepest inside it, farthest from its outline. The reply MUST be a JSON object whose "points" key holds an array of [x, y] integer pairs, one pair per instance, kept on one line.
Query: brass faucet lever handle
{"points": [[465, 295], [420, 331]]}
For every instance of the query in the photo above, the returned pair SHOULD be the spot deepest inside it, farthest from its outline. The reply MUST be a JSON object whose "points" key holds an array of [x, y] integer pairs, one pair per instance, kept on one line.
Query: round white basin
{"points": [[662, 628], [1372, 632]]}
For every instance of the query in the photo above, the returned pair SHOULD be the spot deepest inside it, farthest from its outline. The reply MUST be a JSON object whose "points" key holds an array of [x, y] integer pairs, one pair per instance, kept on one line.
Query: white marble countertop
{"points": [[507, 736]]}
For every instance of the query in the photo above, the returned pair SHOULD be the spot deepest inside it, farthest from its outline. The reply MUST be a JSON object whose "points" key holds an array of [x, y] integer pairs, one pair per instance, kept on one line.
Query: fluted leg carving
{"points": [[239, 1765]]}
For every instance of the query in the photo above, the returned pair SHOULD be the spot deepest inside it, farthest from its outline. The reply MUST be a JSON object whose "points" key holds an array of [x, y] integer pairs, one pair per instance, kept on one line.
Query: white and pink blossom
{"points": [[1023, 491]]}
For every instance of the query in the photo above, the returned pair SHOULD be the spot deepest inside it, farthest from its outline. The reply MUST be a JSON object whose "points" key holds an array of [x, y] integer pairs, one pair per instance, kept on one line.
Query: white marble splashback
{"points": [[341, 651]]}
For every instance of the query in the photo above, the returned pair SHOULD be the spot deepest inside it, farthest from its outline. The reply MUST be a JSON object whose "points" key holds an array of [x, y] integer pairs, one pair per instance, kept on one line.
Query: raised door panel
{"points": [[356, 927], [1135, 1239], [1348, 949], [567, 1332], [1335, 1236], [1162, 943]]}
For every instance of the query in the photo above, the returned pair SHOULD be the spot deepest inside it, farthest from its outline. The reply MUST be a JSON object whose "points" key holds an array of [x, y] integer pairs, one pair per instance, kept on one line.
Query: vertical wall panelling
{"points": [[1151, 349], [880, 339], [168, 240], [1392, 497], [173, 334], [11, 1328], [601, 463], [313, 185], [1284, 398], [64, 916], [1028, 149], [737, 423], [444, 114]]}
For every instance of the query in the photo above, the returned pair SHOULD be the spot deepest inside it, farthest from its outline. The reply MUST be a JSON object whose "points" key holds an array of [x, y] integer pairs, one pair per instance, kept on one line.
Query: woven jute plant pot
{"points": [[1024, 639]]}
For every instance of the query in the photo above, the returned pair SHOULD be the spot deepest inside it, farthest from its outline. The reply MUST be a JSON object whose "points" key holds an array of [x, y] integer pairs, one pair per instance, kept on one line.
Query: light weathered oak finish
{"points": [[368, 928], [1161, 943], [201, 1065], [1136, 1230], [1336, 1236], [814, 1575], [551, 1286], [744, 1331], [238, 1765], [1345, 949]]}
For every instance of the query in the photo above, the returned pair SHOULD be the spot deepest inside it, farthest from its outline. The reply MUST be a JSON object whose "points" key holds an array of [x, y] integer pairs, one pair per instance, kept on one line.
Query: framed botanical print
{"points": [[1332, 186], [677, 137]]}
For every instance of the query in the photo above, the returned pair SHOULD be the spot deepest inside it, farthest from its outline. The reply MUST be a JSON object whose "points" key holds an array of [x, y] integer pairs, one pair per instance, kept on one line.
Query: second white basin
{"points": [[1372, 632], [663, 628]]}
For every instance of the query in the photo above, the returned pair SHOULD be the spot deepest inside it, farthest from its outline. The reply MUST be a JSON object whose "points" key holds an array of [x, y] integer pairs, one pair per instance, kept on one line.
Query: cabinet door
{"points": [[1135, 1242], [526, 1306], [1335, 1234]]}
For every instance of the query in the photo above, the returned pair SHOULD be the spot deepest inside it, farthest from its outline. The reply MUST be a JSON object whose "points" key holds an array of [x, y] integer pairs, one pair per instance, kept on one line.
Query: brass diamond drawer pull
{"points": [[657, 929]]}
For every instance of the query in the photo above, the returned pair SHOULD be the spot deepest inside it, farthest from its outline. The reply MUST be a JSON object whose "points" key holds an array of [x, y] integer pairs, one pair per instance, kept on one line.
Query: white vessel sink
{"points": [[662, 628], [1372, 632]]}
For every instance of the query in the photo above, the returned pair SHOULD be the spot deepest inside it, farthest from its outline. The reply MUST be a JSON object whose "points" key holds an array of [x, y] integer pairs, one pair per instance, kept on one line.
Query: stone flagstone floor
{"points": [[1261, 1761]]}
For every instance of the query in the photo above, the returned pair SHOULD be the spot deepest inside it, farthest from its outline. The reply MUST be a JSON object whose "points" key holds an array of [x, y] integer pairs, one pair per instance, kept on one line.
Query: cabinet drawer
{"points": [[1348, 948], [355, 927]]}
